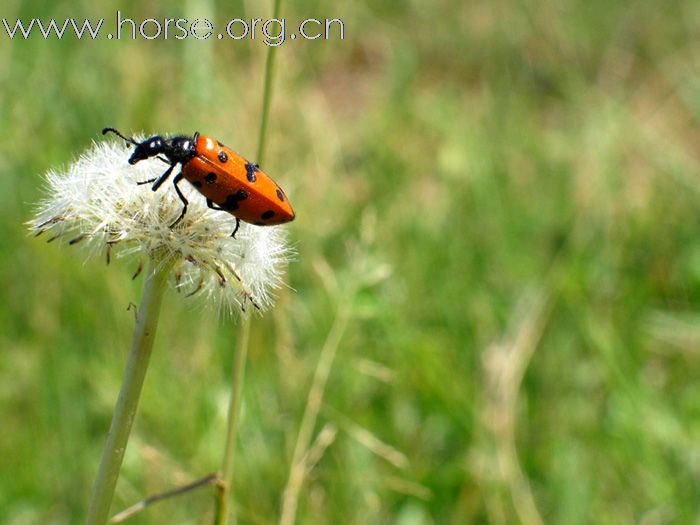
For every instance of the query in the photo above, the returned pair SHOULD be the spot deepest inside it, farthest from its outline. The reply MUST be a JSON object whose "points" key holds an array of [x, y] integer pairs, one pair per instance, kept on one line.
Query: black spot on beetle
{"points": [[280, 195], [222, 156], [210, 178], [250, 170], [197, 183], [231, 202], [267, 215]]}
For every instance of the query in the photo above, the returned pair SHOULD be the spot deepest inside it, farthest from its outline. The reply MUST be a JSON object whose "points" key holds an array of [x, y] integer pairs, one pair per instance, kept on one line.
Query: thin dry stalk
{"points": [[505, 365], [145, 503], [299, 465]]}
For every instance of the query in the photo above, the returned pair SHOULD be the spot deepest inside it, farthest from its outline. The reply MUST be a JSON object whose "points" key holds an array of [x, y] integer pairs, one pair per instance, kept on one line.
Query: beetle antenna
{"points": [[116, 132]]}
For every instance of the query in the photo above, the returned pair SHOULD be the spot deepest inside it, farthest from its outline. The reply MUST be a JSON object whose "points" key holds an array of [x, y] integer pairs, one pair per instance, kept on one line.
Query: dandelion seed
{"points": [[98, 203]]}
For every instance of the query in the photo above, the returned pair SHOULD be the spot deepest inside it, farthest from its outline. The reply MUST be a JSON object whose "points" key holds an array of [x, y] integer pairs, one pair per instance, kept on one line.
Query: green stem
{"points": [[127, 403], [234, 410], [267, 90], [223, 497]]}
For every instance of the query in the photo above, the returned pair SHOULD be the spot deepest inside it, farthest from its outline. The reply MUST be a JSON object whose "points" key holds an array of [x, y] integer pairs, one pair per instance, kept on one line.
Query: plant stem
{"points": [[223, 497], [127, 403], [299, 467], [145, 503], [234, 409], [267, 89]]}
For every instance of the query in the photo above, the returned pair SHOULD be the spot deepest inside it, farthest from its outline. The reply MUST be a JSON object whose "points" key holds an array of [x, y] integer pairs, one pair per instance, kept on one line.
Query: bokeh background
{"points": [[498, 246]]}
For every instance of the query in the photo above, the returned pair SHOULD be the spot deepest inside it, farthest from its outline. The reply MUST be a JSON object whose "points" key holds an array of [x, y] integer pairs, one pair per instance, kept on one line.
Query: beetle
{"points": [[227, 180]]}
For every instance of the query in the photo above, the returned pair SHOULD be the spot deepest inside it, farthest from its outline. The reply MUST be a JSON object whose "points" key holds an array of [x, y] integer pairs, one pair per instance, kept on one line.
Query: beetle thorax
{"points": [[179, 149]]}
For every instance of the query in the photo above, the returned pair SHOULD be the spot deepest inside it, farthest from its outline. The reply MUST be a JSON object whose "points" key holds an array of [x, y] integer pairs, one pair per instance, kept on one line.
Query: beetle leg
{"points": [[219, 208], [238, 223], [177, 179], [160, 179], [213, 206], [163, 177]]}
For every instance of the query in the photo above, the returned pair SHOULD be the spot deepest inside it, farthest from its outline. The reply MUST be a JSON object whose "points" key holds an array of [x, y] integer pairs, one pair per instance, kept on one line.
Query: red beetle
{"points": [[228, 181]]}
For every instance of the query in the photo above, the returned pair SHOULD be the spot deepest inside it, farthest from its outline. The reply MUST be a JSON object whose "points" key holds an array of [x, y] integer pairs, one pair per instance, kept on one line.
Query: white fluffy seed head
{"points": [[98, 203]]}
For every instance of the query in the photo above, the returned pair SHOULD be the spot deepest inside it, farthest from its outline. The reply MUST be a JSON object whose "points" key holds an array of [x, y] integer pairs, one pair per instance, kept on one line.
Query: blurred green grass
{"points": [[488, 153]]}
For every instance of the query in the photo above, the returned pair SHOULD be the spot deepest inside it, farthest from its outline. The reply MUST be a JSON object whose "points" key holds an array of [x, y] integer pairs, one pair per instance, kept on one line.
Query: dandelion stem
{"points": [[125, 409], [223, 497]]}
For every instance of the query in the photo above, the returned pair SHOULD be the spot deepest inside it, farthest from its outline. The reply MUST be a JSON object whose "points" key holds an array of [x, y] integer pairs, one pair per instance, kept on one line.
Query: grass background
{"points": [[505, 193]]}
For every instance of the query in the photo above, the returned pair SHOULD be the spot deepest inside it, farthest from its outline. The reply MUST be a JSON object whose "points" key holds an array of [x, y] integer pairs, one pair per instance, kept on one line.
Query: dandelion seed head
{"points": [[98, 203]]}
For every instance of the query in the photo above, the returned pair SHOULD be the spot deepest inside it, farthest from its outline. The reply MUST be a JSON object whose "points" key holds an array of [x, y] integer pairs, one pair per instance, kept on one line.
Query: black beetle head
{"points": [[147, 149]]}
